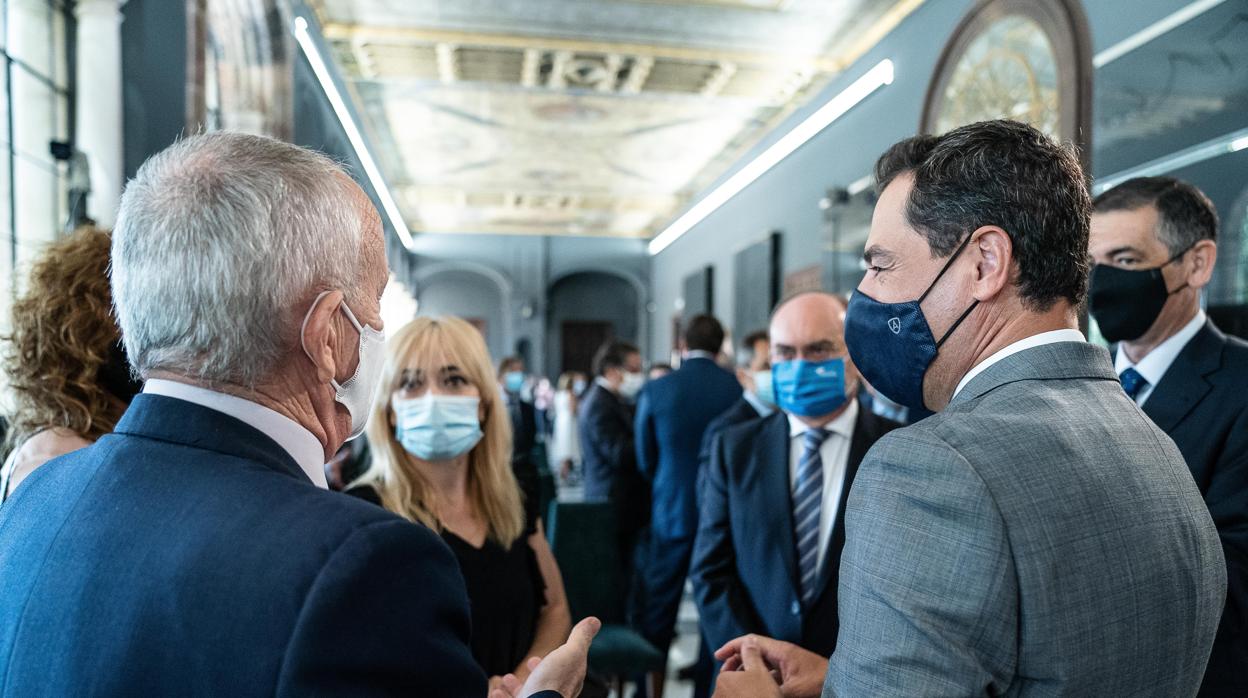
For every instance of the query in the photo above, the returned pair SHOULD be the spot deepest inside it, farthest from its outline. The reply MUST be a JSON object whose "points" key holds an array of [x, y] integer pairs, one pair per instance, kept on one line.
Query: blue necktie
{"points": [[1132, 382], [807, 501]]}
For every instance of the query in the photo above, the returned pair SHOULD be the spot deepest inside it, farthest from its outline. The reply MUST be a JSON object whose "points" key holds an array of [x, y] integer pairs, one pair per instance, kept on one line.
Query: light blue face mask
{"points": [[437, 427], [513, 381]]}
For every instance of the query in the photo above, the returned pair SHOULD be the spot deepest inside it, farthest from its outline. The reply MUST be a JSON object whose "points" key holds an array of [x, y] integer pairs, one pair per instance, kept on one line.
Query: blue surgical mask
{"points": [[809, 388], [763, 389], [578, 386], [513, 381], [437, 427], [891, 343]]}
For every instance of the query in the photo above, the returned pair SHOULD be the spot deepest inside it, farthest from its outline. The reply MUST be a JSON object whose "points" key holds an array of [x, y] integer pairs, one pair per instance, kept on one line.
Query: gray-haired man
{"points": [[196, 550]]}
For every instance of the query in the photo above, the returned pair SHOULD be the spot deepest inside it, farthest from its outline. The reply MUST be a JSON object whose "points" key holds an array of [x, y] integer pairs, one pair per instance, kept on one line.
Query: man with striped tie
{"points": [[771, 512]]}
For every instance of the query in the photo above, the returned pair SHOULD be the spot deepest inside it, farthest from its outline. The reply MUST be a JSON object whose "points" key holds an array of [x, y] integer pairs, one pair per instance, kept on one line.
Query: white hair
{"points": [[222, 241]]}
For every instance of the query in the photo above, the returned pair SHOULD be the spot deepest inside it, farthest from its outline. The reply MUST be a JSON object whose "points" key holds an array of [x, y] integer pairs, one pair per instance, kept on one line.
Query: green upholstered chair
{"points": [[582, 536]]}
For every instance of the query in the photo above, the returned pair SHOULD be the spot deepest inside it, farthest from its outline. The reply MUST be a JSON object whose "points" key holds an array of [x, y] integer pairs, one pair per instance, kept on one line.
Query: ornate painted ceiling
{"points": [[580, 117]]}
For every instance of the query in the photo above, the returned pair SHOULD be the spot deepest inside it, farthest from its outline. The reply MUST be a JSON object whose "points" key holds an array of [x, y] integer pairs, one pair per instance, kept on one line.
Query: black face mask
{"points": [[1126, 302]]}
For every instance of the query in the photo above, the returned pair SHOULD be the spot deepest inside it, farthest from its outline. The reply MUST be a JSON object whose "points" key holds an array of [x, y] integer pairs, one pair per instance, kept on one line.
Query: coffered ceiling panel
{"points": [[580, 117]]}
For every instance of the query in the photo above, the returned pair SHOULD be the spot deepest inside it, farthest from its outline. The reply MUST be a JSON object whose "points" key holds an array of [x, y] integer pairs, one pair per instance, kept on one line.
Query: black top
{"points": [[506, 593]]}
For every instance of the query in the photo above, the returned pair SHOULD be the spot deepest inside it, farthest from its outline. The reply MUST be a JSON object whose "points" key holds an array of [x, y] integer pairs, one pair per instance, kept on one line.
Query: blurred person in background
{"points": [[513, 381], [609, 461], [565, 446], [658, 370], [442, 444], [672, 415], [65, 365]]}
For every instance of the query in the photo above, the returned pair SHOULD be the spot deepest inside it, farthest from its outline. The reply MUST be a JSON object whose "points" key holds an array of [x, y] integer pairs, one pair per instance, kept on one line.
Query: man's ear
{"points": [[994, 261], [1204, 256], [320, 335]]}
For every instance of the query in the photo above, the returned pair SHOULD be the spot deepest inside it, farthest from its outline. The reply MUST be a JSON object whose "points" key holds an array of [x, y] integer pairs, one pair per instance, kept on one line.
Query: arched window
{"points": [[1028, 60]]}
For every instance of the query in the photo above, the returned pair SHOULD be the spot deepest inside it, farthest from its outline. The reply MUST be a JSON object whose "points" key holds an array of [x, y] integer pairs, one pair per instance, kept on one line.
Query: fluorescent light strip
{"points": [[1230, 143], [1153, 31], [861, 185], [313, 54], [863, 87]]}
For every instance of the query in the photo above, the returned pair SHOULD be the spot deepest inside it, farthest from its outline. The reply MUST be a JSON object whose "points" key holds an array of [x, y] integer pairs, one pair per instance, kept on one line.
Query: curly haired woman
{"points": [[66, 369]]}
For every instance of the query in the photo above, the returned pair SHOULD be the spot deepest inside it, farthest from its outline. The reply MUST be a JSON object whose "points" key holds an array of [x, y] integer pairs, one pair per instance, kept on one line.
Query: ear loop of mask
{"points": [[953, 258], [303, 328], [1172, 260]]}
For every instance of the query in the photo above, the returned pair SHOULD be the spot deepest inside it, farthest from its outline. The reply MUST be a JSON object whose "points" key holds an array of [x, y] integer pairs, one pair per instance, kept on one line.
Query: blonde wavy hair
{"points": [[62, 334], [431, 343]]}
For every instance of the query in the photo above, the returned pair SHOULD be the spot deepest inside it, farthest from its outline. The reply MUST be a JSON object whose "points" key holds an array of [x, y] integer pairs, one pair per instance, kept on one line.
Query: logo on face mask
{"points": [[809, 388], [894, 324]]}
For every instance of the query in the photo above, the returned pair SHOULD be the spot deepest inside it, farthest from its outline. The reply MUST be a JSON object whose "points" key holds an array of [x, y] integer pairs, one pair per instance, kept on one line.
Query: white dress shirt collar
{"points": [[1154, 365], [699, 354], [1035, 340], [843, 424], [303, 447], [605, 385], [762, 408]]}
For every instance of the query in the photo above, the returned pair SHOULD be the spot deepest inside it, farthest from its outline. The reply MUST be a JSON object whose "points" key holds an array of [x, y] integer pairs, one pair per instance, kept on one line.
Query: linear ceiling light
{"points": [[1232, 142], [1153, 31], [863, 87], [313, 54]]}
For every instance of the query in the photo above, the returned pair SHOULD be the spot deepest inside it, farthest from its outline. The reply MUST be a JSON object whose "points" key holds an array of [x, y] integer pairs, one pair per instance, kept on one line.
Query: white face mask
{"points": [[357, 393], [631, 385]]}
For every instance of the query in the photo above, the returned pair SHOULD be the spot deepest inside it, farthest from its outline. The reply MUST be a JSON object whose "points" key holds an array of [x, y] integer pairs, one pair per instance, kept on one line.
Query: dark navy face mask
{"points": [[891, 343]]}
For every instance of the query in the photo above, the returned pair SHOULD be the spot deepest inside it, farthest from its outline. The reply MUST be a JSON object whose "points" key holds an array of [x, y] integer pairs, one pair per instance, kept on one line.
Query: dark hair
{"points": [[1008, 174], [704, 333], [507, 362], [613, 354], [745, 354], [1185, 216]]}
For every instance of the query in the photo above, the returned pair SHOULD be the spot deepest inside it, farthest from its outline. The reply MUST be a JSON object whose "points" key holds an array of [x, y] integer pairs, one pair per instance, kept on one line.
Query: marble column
{"points": [[99, 107]]}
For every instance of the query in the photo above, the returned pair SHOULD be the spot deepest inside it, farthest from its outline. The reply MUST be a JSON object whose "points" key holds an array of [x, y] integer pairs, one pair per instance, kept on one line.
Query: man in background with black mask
{"points": [[1154, 245]]}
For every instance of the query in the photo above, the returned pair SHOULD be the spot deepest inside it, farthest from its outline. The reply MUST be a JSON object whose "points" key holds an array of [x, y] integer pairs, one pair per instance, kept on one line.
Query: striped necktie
{"points": [[807, 501]]}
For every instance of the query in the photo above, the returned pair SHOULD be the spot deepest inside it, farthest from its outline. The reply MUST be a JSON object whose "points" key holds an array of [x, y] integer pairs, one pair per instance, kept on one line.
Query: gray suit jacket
{"points": [[1039, 537]]}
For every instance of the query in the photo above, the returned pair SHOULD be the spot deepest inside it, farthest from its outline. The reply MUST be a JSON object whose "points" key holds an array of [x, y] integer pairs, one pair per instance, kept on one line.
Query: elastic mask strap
{"points": [[955, 325], [303, 328], [945, 268]]}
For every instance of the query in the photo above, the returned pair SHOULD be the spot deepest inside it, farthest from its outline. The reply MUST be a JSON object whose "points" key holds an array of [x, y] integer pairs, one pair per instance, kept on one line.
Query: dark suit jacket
{"points": [[187, 554], [1202, 403], [672, 415], [605, 425], [740, 412], [744, 571]]}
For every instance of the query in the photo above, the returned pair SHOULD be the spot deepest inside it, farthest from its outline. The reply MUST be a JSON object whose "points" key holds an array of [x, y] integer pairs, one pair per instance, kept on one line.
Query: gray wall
{"points": [[153, 69], [523, 268], [786, 198], [590, 296]]}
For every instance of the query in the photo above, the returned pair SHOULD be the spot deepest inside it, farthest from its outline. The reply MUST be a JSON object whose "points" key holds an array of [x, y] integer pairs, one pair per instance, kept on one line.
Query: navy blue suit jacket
{"points": [[672, 415], [740, 412], [1202, 403], [187, 554], [744, 569]]}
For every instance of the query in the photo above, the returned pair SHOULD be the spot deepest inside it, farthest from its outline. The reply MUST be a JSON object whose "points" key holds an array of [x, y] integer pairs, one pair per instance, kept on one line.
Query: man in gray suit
{"points": [[1038, 536]]}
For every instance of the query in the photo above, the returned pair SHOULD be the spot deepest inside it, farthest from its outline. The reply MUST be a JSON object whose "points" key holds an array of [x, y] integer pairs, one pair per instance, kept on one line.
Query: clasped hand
{"points": [[562, 671], [757, 666]]}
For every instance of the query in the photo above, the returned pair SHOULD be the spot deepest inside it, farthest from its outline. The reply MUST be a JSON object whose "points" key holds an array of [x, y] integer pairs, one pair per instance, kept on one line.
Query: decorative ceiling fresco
{"points": [[580, 117]]}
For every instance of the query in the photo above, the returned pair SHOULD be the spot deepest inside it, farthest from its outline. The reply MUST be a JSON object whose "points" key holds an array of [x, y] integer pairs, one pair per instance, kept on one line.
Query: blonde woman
{"points": [[441, 440]]}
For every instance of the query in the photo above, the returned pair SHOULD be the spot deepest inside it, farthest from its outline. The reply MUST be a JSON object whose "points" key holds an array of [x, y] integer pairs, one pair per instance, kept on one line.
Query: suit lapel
{"points": [[772, 464], [1183, 386], [858, 447]]}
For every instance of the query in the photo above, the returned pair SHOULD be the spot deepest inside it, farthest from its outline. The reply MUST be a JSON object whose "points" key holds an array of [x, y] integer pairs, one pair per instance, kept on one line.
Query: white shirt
{"points": [[303, 447], [1035, 340], [699, 354], [1155, 364], [835, 456]]}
